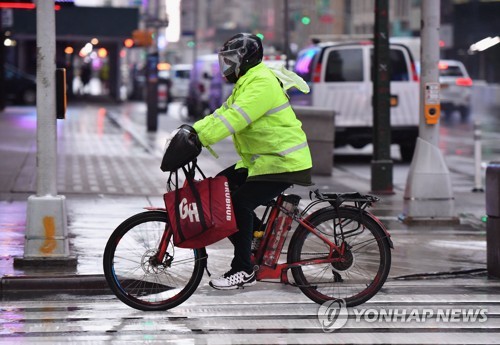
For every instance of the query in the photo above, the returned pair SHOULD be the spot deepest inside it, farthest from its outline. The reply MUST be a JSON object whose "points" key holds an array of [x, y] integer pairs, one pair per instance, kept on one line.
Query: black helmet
{"points": [[240, 53]]}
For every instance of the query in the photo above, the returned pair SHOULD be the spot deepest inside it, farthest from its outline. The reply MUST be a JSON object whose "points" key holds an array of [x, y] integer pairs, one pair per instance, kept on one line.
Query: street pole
{"points": [[381, 165], [286, 29], [428, 194], [46, 226], [152, 60], [195, 38], [2, 63]]}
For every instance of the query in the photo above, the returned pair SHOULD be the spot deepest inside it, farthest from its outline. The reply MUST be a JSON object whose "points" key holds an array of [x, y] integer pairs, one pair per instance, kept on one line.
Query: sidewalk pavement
{"points": [[108, 169]]}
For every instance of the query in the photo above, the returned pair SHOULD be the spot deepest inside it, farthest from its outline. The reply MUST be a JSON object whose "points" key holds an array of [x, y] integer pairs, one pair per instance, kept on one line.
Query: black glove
{"points": [[182, 149], [193, 135]]}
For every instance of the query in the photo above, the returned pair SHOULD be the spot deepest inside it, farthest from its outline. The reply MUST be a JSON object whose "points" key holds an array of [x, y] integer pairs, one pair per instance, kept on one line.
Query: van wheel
{"points": [[407, 150], [464, 113]]}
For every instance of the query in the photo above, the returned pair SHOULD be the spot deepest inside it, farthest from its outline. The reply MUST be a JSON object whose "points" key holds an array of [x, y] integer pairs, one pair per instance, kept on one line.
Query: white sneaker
{"points": [[233, 280]]}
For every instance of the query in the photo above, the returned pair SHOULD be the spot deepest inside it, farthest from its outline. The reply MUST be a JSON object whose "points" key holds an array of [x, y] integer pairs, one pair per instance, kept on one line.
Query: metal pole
{"points": [[195, 34], [2, 65], [381, 166], [478, 179], [429, 194], [429, 130], [152, 75], [46, 225], [46, 99], [286, 13]]}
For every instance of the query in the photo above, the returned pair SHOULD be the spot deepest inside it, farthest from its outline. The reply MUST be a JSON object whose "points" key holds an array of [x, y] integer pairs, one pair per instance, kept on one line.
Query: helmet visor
{"points": [[229, 62]]}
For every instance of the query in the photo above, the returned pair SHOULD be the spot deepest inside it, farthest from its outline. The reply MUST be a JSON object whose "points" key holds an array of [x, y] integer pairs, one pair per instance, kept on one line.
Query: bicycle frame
{"points": [[157, 276], [275, 234], [270, 248], [276, 231]]}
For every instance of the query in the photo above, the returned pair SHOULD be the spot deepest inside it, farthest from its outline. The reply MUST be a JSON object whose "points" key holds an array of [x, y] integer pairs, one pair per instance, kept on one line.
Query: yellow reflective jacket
{"points": [[266, 133]]}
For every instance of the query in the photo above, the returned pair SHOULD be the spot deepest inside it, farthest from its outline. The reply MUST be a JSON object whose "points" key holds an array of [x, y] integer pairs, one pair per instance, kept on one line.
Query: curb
{"points": [[47, 284]]}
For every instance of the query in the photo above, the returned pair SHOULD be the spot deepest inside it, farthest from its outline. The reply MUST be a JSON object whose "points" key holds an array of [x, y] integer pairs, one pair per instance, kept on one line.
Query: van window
{"points": [[399, 67], [344, 65], [304, 64], [182, 74]]}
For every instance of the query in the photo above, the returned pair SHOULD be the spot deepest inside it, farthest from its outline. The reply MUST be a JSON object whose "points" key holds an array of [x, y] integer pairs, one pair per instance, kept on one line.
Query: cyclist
{"points": [[267, 136]]}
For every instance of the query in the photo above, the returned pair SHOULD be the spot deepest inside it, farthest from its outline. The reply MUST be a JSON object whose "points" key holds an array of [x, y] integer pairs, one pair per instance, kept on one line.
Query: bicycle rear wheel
{"points": [[366, 264], [135, 276]]}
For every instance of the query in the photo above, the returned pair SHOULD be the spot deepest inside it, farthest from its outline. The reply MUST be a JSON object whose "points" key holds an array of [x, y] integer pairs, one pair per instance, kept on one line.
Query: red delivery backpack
{"points": [[201, 212]]}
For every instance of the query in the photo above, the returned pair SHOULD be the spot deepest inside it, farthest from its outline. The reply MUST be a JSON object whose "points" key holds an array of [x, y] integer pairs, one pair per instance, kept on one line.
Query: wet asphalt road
{"points": [[108, 174], [426, 312]]}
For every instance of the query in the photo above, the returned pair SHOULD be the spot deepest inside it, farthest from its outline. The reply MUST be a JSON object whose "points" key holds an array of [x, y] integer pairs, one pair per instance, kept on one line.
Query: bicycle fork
{"points": [[158, 257]]}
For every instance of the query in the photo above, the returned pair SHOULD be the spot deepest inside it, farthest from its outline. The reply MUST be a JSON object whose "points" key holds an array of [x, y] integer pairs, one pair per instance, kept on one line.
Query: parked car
{"points": [[456, 85], [340, 77], [456, 88], [180, 75], [20, 87]]}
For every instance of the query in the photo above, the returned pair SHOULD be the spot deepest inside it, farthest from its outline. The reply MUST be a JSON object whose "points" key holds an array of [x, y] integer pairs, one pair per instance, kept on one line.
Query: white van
{"points": [[340, 78], [198, 98], [180, 75]]}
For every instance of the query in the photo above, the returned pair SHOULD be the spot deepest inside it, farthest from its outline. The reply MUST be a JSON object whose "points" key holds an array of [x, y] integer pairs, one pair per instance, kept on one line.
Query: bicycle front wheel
{"points": [[134, 274], [363, 268]]}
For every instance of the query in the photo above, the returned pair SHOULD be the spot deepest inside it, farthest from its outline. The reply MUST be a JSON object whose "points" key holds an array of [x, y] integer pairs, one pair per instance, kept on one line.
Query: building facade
{"points": [[211, 22]]}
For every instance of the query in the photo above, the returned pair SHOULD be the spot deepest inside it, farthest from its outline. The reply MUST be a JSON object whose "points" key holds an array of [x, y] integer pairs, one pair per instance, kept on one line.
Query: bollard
{"points": [[493, 222], [478, 179], [319, 126]]}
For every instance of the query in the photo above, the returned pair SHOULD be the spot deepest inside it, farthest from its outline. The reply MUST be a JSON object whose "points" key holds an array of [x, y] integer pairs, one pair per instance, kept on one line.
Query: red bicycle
{"points": [[338, 250]]}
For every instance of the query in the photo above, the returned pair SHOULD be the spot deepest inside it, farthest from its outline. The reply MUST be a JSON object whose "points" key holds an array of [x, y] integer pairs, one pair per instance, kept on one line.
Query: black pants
{"points": [[246, 197]]}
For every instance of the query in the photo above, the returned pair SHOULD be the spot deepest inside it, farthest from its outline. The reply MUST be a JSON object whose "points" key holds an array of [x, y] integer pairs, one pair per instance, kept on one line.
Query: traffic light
{"points": [[305, 20]]}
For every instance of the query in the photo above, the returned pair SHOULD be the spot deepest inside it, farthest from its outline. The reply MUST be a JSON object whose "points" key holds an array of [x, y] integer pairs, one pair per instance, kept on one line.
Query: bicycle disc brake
{"points": [[151, 265]]}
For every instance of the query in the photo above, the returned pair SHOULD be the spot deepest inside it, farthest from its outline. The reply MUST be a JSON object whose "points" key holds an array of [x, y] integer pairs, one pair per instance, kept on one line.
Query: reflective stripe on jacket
{"points": [[266, 133]]}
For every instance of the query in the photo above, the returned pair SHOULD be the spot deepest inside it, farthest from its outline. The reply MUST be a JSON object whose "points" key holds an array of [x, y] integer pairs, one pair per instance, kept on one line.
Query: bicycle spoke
{"points": [[138, 277], [354, 274]]}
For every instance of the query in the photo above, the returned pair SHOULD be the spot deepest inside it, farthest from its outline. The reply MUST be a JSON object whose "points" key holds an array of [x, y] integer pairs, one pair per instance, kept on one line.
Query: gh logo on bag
{"points": [[190, 210], [201, 212]]}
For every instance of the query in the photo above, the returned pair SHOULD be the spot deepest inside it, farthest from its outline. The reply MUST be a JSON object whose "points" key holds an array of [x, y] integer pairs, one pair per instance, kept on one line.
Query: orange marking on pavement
{"points": [[49, 244]]}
